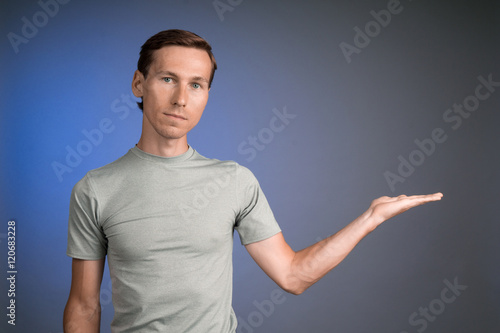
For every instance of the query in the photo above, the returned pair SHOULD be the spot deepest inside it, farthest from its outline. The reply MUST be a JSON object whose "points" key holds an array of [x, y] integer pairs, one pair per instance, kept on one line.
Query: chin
{"points": [[172, 135]]}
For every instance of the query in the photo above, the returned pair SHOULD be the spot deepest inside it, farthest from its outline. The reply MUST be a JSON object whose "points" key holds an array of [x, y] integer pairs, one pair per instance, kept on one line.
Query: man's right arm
{"points": [[83, 310]]}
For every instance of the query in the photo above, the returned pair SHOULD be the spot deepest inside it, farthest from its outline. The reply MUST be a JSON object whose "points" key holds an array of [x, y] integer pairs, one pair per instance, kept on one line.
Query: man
{"points": [[164, 215]]}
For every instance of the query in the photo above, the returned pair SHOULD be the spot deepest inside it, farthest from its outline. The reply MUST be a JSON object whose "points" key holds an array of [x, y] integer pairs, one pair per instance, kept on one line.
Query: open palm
{"points": [[384, 208]]}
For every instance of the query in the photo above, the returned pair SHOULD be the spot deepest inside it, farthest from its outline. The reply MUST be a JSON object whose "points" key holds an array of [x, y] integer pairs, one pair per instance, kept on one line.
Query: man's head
{"points": [[173, 81], [167, 38]]}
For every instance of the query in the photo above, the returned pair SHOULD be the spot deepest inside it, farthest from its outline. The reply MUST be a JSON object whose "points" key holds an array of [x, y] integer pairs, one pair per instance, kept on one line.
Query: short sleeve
{"points": [[86, 239], [255, 220]]}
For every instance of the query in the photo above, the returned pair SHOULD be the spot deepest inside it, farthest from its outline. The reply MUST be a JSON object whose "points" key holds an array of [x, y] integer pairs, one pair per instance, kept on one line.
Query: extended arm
{"points": [[297, 271], [83, 310]]}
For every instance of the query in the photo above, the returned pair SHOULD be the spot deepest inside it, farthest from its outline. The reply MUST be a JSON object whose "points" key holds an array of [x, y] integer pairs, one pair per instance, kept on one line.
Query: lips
{"points": [[175, 116]]}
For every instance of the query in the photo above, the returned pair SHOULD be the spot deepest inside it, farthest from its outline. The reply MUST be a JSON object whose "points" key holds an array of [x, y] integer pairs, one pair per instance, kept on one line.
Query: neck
{"points": [[165, 148]]}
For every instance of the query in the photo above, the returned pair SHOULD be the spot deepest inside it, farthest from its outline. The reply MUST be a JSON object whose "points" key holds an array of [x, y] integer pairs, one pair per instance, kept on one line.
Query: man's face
{"points": [[175, 91]]}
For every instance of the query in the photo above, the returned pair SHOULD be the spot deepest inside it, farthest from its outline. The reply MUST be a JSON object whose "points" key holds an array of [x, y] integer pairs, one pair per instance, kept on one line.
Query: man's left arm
{"points": [[296, 271]]}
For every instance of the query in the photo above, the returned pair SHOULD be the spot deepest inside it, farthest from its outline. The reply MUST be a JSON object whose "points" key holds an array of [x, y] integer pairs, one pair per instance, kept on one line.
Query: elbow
{"points": [[82, 308], [80, 316], [294, 287], [295, 282], [295, 291]]}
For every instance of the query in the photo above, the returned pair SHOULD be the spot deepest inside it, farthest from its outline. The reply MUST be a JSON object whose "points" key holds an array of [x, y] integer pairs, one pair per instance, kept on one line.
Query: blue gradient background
{"points": [[352, 122]]}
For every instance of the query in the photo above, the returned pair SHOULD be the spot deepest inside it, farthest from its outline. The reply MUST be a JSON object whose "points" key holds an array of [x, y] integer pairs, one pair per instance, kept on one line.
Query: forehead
{"points": [[181, 59]]}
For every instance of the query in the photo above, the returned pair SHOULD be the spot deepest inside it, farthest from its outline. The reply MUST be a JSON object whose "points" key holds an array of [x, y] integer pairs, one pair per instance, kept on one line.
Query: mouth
{"points": [[174, 116]]}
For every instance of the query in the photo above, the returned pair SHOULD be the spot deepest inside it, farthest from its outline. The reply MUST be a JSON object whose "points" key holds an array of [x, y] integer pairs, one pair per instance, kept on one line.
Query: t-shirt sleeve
{"points": [[86, 239], [255, 220]]}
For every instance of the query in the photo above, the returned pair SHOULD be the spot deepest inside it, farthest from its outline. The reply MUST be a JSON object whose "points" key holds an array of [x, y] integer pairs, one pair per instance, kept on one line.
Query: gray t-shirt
{"points": [[166, 225]]}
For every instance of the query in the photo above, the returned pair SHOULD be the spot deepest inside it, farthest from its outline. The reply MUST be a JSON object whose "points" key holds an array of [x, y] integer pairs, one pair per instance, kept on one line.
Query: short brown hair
{"points": [[172, 37]]}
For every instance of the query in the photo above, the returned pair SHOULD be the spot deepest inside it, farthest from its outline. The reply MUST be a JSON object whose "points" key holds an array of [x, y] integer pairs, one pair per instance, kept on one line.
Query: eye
{"points": [[167, 79], [196, 86]]}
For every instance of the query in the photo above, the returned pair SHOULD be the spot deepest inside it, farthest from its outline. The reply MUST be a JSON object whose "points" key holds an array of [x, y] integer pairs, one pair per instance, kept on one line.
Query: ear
{"points": [[137, 84]]}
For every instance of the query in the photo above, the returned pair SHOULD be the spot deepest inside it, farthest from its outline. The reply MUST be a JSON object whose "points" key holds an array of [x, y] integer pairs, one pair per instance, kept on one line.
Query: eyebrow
{"points": [[194, 78]]}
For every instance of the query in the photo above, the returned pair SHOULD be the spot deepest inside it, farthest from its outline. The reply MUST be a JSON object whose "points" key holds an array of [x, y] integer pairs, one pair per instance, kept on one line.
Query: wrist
{"points": [[368, 221]]}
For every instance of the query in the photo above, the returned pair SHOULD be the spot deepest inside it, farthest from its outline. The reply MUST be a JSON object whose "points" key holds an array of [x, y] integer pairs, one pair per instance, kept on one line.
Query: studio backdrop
{"points": [[331, 104]]}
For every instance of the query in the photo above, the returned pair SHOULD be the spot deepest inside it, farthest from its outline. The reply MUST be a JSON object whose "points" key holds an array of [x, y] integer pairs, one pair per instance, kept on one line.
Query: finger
{"points": [[413, 200], [432, 197], [420, 200]]}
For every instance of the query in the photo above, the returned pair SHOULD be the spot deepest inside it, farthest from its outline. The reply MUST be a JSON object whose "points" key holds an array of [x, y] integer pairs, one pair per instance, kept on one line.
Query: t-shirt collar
{"points": [[162, 159]]}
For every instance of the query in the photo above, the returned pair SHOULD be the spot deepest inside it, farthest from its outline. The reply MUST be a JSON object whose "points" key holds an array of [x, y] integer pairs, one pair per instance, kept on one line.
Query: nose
{"points": [[179, 96]]}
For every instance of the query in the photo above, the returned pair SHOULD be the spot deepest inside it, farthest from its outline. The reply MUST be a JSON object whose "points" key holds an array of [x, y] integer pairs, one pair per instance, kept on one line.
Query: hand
{"points": [[384, 208]]}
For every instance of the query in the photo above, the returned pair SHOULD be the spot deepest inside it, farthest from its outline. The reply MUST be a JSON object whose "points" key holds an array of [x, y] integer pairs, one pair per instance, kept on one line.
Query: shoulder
{"points": [[239, 173], [227, 164], [112, 167], [104, 175], [214, 163]]}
